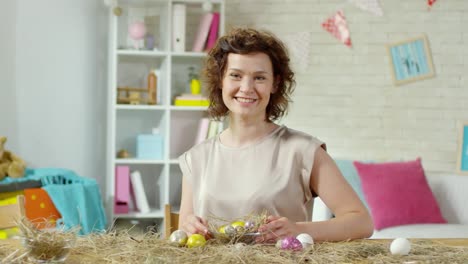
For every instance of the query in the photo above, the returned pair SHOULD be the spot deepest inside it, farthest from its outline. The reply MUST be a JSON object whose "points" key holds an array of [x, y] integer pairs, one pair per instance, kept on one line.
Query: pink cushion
{"points": [[398, 193]]}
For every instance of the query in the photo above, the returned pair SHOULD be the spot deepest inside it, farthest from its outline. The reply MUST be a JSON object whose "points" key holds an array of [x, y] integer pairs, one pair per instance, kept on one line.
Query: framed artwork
{"points": [[462, 153], [410, 60]]}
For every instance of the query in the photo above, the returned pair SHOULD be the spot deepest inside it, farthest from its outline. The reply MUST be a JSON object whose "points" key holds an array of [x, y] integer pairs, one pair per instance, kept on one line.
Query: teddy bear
{"points": [[10, 164]]}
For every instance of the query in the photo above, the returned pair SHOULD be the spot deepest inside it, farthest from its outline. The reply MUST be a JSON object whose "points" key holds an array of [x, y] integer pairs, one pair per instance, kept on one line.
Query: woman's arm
{"points": [[189, 222], [351, 220]]}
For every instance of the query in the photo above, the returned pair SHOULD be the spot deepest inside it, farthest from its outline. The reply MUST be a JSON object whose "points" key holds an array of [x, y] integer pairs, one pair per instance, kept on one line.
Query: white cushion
{"points": [[451, 193], [424, 231]]}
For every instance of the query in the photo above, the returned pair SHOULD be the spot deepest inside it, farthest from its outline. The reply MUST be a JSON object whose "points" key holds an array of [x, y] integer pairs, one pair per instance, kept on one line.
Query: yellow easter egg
{"points": [[196, 240], [238, 223], [221, 229]]}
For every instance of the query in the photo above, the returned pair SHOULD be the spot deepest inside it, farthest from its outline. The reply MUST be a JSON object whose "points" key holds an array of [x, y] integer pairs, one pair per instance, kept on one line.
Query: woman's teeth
{"points": [[245, 100]]}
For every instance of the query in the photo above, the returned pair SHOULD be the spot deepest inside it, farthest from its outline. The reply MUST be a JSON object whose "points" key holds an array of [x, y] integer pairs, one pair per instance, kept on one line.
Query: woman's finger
{"points": [[273, 225]]}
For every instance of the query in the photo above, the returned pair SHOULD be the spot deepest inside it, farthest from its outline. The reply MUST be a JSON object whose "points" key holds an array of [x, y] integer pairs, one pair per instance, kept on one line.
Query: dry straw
{"points": [[45, 245], [241, 235], [122, 247]]}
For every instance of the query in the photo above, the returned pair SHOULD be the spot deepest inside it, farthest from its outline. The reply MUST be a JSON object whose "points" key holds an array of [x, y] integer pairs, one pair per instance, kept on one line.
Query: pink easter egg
{"points": [[137, 30], [291, 243]]}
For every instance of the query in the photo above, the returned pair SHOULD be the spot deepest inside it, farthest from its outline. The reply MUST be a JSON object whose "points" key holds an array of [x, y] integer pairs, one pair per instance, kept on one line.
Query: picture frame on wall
{"points": [[410, 60], [462, 153]]}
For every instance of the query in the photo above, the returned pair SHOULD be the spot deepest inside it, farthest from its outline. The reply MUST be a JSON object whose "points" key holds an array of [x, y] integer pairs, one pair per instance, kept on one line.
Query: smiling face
{"points": [[247, 84]]}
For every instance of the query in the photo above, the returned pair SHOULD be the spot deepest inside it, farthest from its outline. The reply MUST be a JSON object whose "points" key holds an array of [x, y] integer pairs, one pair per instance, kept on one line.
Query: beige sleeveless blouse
{"points": [[273, 174]]}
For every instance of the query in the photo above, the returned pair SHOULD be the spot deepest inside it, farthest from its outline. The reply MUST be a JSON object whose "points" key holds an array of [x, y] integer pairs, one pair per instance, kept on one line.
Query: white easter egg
{"points": [[305, 239], [400, 246]]}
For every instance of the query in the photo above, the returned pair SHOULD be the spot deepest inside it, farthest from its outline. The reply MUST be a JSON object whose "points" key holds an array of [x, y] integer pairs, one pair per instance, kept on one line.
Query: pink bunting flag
{"points": [[338, 27], [371, 6]]}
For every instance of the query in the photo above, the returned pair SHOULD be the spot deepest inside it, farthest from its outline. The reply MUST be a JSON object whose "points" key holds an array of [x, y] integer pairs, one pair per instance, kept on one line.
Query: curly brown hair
{"points": [[245, 41]]}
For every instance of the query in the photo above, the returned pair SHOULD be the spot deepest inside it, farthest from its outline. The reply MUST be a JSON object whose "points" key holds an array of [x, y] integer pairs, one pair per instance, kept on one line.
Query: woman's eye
{"points": [[260, 78], [235, 75]]}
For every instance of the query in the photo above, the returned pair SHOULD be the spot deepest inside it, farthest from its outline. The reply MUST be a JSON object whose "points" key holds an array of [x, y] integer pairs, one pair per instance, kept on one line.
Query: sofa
{"points": [[450, 192]]}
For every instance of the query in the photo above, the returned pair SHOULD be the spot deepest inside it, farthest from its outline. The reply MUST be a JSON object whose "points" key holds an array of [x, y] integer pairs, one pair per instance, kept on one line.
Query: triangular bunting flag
{"points": [[299, 46], [430, 3], [338, 27], [371, 6]]}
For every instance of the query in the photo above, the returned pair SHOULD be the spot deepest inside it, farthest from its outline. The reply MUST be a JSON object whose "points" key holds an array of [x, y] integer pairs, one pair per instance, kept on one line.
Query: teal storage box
{"points": [[150, 146]]}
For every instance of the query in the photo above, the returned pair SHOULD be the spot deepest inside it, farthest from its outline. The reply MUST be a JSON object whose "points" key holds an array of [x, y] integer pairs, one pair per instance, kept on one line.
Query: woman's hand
{"points": [[195, 225], [277, 227]]}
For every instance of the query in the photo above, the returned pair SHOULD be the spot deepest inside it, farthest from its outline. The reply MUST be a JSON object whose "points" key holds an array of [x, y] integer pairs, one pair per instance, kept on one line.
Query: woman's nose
{"points": [[247, 85]]}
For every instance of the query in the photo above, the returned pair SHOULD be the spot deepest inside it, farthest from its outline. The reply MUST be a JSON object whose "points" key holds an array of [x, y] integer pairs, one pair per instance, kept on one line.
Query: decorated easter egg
{"points": [[400, 246], [238, 223], [221, 229], [305, 239], [238, 226], [230, 230], [178, 238], [291, 243], [196, 240], [249, 224]]}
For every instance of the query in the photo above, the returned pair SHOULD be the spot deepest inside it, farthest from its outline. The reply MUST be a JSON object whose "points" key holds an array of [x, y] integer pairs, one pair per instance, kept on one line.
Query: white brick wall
{"points": [[346, 96]]}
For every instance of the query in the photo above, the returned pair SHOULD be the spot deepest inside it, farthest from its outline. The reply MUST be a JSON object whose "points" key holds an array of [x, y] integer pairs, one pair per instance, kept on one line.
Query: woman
{"points": [[255, 164]]}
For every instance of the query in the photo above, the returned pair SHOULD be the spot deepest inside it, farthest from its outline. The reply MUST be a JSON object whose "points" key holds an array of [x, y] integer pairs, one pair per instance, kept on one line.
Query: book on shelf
{"points": [[202, 32], [191, 100], [213, 35], [158, 85], [207, 129], [122, 190], [178, 21], [140, 199]]}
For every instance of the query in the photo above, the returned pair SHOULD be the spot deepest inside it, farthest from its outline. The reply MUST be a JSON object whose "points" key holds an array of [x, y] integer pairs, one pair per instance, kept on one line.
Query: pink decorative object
{"points": [[291, 243], [137, 31], [338, 27], [122, 190], [398, 194]]}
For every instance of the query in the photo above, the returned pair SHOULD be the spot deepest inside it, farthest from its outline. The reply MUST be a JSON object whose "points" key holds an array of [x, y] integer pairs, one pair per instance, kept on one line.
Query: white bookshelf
{"points": [[178, 125]]}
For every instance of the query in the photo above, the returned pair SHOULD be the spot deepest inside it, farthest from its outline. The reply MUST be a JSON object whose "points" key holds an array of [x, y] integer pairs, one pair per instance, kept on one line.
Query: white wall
{"points": [[59, 70], [53, 72], [346, 96], [8, 118]]}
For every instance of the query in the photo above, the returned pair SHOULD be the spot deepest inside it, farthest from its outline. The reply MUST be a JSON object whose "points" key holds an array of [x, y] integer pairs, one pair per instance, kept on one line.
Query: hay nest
{"points": [[121, 247], [239, 234], [50, 244]]}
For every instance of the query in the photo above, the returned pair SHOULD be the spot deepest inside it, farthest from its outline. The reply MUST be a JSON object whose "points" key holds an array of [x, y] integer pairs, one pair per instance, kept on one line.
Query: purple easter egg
{"points": [[291, 243], [249, 225]]}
